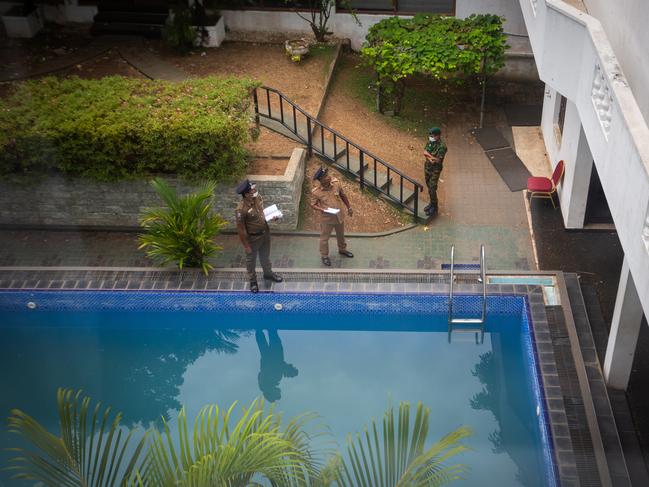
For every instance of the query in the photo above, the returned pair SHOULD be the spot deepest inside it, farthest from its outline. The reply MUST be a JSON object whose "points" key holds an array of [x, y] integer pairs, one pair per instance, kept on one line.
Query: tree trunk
{"points": [[399, 90]]}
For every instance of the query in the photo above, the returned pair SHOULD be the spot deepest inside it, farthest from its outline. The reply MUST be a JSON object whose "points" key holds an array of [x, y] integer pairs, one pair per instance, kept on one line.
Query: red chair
{"points": [[540, 187]]}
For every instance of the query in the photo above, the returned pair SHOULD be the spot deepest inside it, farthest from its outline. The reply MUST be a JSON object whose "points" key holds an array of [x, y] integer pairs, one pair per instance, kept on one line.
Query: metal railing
{"points": [[464, 324], [331, 145]]}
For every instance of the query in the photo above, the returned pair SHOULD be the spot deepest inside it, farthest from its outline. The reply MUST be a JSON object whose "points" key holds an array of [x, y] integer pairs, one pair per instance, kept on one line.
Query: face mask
{"points": [[255, 194], [432, 139]]}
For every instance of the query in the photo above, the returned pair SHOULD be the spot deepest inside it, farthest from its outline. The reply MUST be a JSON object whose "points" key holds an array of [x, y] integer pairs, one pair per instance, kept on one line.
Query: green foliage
{"points": [[437, 46], [89, 452], [180, 34], [217, 451], [184, 231], [318, 15], [398, 456], [222, 453], [118, 128]]}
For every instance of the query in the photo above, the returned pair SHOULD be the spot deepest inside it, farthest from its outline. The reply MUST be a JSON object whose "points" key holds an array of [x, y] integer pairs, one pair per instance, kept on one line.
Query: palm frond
{"points": [[183, 232], [219, 452], [398, 457], [89, 452]]}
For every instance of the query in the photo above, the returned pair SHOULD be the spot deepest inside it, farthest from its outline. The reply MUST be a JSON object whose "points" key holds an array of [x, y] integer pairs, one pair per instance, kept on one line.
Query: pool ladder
{"points": [[468, 325]]}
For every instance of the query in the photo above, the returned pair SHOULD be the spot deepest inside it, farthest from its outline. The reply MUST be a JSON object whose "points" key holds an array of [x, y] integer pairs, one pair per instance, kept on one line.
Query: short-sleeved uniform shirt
{"points": [[251, 215], [329, 198], [437, 149]]}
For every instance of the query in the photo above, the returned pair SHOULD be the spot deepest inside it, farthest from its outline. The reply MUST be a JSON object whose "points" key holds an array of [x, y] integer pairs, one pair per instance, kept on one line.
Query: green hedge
{"points": [[118, 128]]}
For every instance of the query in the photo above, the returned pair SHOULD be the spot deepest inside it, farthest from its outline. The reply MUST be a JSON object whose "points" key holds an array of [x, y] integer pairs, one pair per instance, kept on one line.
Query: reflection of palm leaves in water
{"points": [[485, 399]]}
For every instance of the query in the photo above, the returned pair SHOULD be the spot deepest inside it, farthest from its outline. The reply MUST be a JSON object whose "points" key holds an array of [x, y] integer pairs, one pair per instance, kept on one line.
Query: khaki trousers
{"points": [[325, 233], [260, 244]]}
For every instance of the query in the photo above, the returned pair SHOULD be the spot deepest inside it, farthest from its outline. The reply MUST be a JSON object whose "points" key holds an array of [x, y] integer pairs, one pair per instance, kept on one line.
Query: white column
{"points": [[576, 183], [623, 337]]}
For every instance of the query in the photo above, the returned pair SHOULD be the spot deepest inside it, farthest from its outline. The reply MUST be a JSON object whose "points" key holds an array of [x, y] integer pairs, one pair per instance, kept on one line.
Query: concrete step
{"points": [[378, 180], [278, 127], [160, 6], [132, 17], [131, 28]]}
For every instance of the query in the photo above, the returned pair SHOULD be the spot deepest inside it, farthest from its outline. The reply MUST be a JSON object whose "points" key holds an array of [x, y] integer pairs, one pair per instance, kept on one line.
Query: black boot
{"points": [[254, 287], [273, 277]]}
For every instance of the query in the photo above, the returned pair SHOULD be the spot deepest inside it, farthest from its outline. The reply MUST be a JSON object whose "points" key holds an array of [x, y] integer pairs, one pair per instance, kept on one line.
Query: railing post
{"points": [[309, 144], [255, 100], [416, 203], [270, 115], [361, 158]]}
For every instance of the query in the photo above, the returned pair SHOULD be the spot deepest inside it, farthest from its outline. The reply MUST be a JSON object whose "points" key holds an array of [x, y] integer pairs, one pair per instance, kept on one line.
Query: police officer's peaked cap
{"points": [[434, 131], [320, 172], [243, 187]]}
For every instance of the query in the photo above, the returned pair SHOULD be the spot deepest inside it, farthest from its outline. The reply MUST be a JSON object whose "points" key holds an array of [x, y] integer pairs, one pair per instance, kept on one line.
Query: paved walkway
{"points": [[419, 248]]}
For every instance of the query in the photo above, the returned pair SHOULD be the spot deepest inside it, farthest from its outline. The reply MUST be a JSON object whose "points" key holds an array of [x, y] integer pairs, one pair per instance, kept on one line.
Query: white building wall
{"points": [[510, 9], [625, 23], [344, 26], [572, 50]]}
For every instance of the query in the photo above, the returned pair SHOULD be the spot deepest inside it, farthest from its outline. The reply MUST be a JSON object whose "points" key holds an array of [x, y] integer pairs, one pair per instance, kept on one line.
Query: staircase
{"points": [[133, 17], [276, 112]]}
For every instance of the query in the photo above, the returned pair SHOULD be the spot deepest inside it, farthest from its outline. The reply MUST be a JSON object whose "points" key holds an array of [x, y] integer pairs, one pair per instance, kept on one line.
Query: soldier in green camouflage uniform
{"points": [[434, 153]]}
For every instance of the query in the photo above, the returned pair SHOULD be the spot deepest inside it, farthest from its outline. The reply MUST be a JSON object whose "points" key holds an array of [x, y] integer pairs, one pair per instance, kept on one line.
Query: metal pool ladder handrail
{"points": [[483, 277]]}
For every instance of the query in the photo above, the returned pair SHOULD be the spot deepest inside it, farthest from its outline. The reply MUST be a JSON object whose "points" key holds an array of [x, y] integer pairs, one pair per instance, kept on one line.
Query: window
{"points": [[562, 113], [402, 6]]}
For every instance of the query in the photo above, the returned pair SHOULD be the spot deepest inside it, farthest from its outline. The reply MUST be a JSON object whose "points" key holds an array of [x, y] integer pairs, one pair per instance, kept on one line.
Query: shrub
{"points": [[118, 128], [184, 231]]}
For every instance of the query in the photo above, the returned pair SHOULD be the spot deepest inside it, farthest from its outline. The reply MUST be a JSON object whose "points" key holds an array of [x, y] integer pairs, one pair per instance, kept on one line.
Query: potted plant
{"points": [[210, 27], [22, 20]]}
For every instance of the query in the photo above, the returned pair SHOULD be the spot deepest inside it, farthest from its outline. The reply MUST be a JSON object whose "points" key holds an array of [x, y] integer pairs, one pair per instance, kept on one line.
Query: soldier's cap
{"points": [[320, 172], [243, 187], [434, 131]]}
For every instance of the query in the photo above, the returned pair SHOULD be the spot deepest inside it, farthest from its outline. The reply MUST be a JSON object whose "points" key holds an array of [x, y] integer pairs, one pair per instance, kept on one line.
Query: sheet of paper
{"points": [[272, 212], [333, 211]]}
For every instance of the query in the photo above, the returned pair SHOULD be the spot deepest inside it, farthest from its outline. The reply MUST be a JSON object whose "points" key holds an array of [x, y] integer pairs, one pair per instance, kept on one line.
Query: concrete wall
{"points": [[344, 26], [71, 201], [575, 58], [625, 24], [510, 9]]}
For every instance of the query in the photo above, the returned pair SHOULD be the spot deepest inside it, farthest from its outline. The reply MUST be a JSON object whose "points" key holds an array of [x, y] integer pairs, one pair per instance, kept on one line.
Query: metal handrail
{"points": [[483, 278], [313, 123]]}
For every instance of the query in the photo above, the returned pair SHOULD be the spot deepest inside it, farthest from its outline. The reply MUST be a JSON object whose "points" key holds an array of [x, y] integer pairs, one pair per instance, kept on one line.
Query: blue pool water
{"points": [[345, 357]]}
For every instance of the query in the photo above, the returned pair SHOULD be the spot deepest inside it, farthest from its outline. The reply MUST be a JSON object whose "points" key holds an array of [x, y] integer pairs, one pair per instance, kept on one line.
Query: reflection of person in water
{"points": [[272, 366]]}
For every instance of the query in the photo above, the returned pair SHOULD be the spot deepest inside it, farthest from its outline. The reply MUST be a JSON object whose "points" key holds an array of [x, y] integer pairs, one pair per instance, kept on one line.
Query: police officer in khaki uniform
{"points": [[254, 233], [329, 195]]}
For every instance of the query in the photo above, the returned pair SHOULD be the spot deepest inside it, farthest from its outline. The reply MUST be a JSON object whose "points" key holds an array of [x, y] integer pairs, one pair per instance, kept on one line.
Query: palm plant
{"points": [[89, 452], [222, 454], [399, 456], [183, 232]]}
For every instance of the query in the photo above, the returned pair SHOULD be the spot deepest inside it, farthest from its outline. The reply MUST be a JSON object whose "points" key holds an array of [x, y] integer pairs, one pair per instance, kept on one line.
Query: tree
{"points": [[183, 232], [436, 46], [318, 16]]}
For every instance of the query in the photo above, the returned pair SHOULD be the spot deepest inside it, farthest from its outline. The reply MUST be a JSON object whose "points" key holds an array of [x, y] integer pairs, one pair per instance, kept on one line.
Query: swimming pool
{"points": [[344, 356]]}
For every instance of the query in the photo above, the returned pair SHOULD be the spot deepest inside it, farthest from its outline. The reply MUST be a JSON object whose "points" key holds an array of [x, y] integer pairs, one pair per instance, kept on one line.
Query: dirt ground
{"points": [[371, 214], [269, 167], [351, 117]]}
